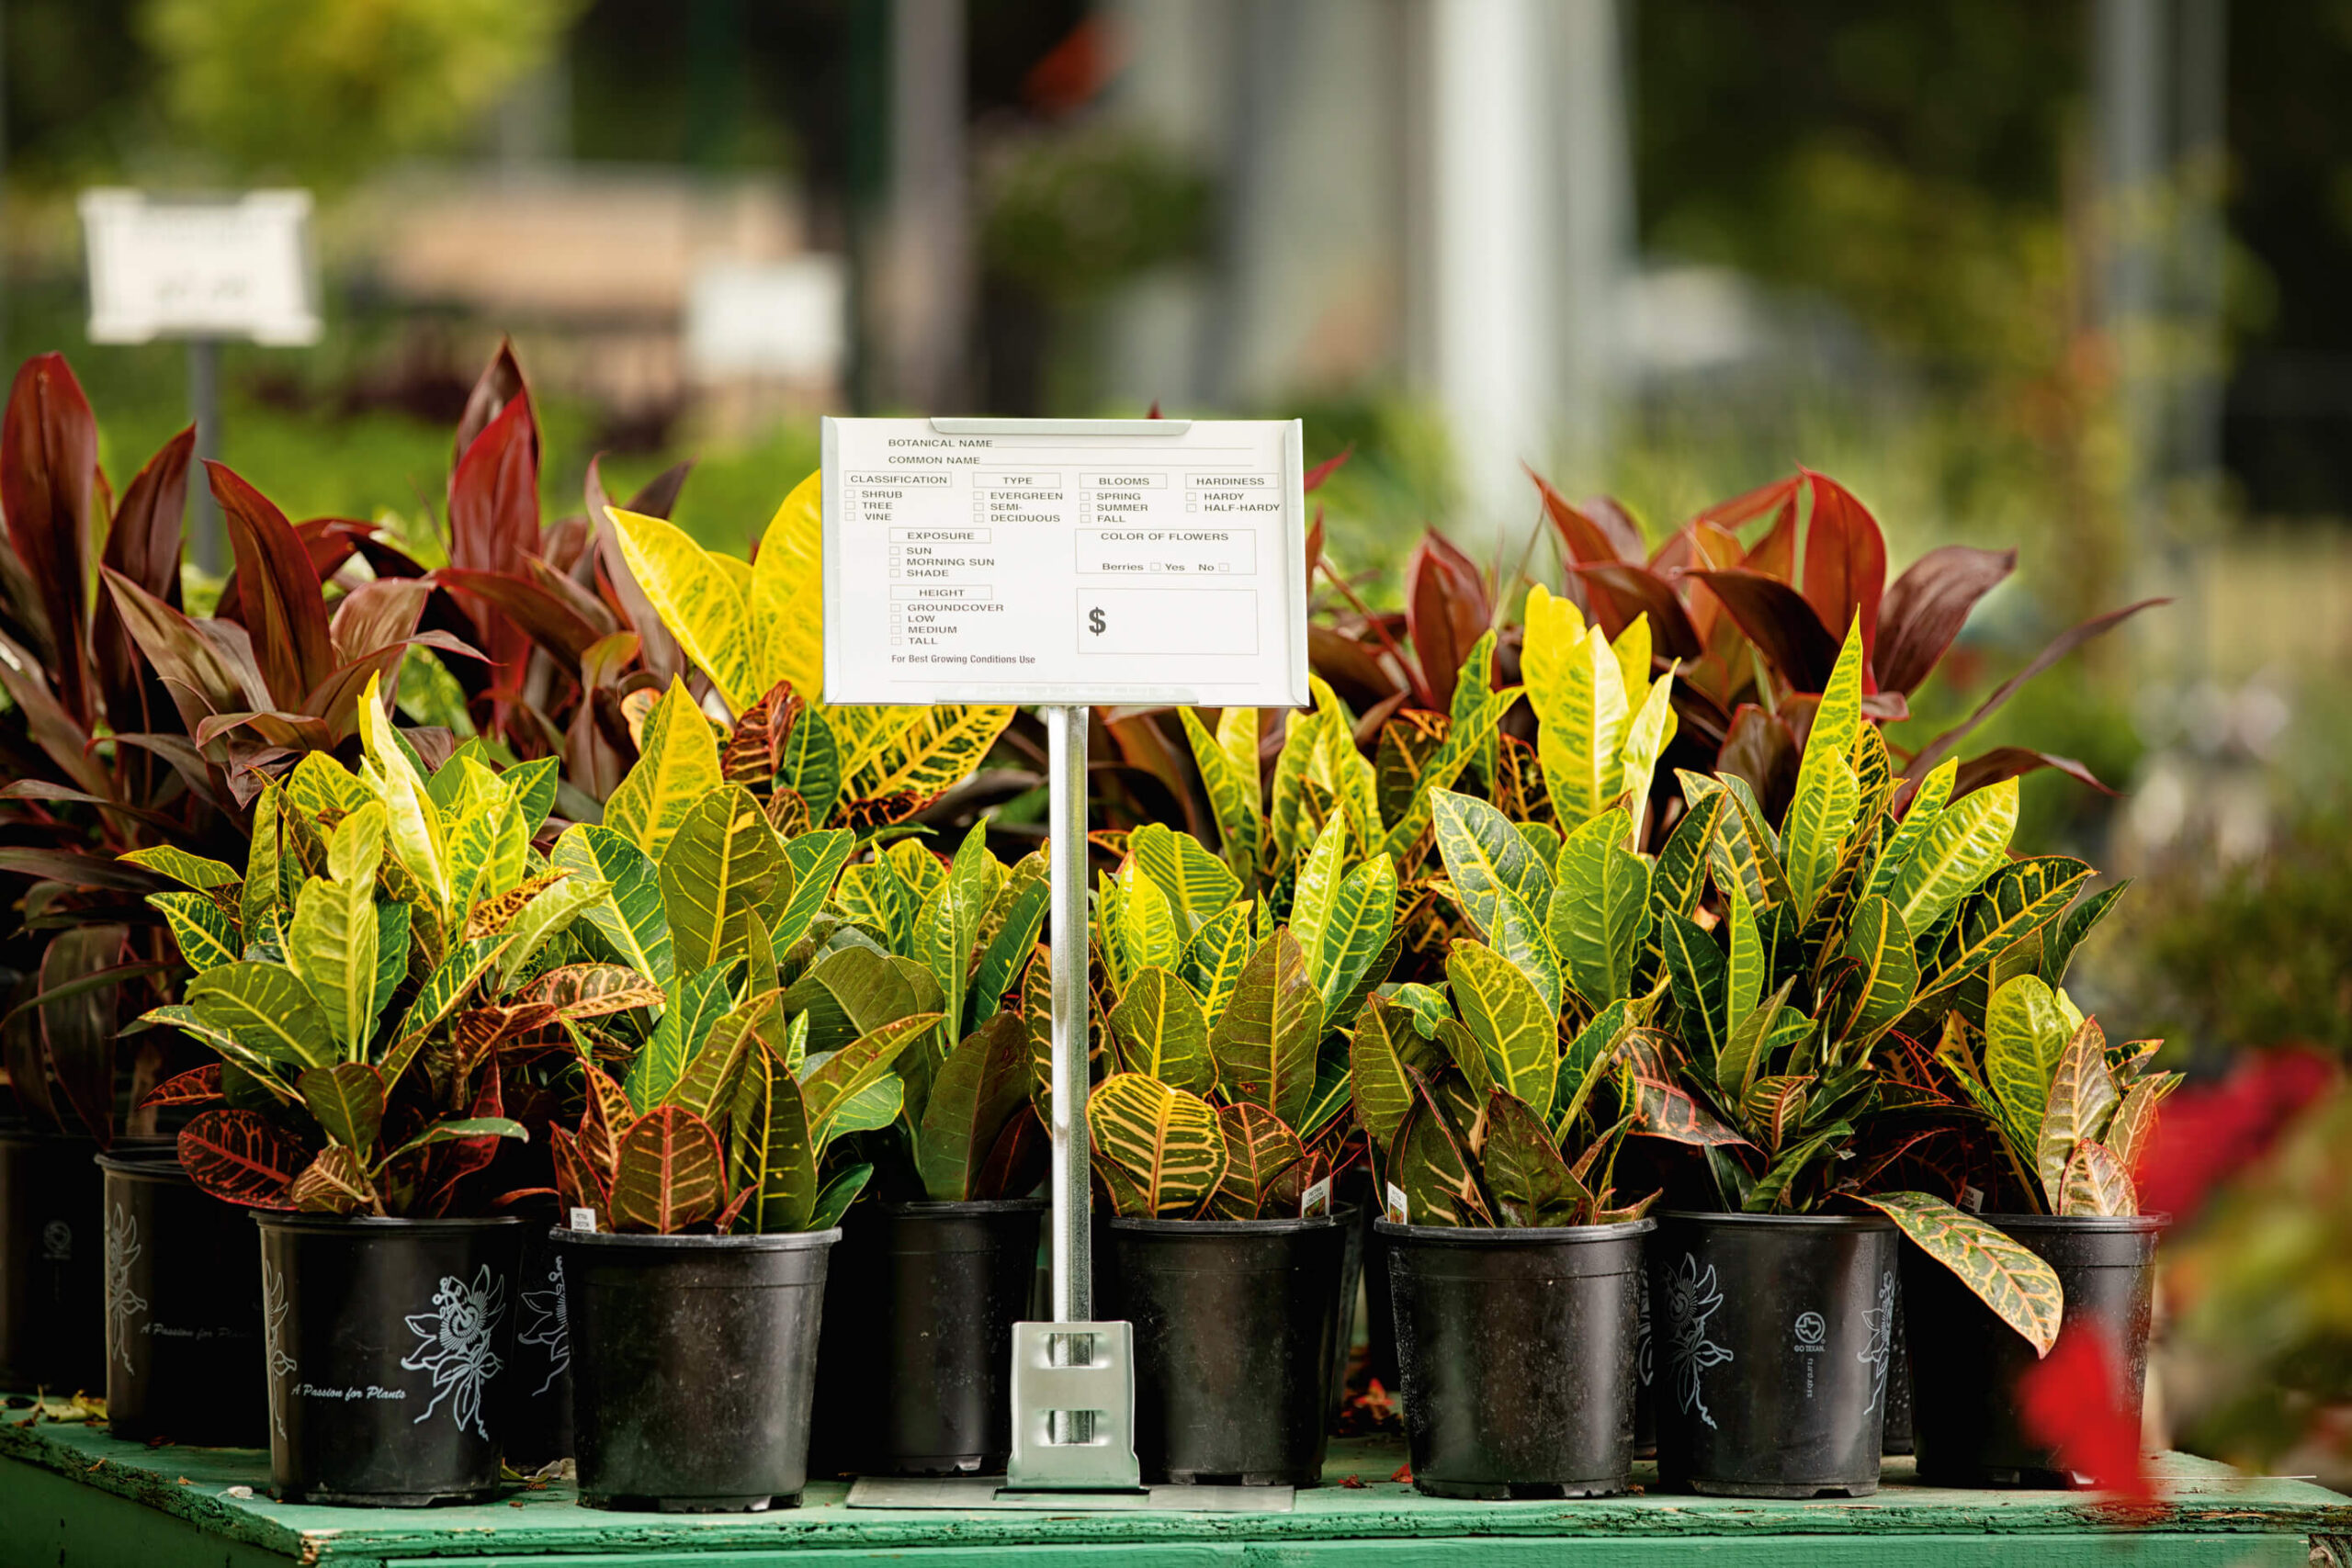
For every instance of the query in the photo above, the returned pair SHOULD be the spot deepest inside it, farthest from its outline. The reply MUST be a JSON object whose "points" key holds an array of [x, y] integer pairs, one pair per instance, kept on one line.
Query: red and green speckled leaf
{"points": [[669, 1174], [241, 1156], [2020, 1288]]}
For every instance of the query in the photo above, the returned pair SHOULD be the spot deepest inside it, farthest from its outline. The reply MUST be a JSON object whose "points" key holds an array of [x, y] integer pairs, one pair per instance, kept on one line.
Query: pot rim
{"points": [[1784, 1221], [1338, 1216], [383, 1225], [2088, 1224], [145, 1167], [1484, 1236], [17, 1131], [923, 1208], [776, 1241]]}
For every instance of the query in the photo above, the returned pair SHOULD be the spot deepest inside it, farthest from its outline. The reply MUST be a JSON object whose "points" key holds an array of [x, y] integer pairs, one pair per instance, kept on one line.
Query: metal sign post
{"points": [[1064, 563], [204, 270]]}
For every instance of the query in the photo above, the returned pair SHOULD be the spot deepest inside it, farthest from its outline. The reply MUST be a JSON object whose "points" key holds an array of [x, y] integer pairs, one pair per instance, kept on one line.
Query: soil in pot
{"points": [[1966, 1363], [387, 1342], [915, 1375], [52, 1264], [534, 1421], [1774, 1343], [1234, 1322], [1517, 1348], [694, 1362], [183, 1315]]}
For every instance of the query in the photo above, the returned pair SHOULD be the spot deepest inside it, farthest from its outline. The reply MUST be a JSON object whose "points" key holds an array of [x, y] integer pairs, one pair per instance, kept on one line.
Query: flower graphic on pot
{"points": [[57, 1242], [1691, 1298], [1643, 1354], [123, 1305], [454, 1346], [274, 1304], [1880, 1321], [551, 1326]]}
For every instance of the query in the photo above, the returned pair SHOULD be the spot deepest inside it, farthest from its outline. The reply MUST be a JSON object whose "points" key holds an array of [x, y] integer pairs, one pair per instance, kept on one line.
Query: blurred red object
{"points": [[2206, 1133], [1075, 70], [2074, 1402]]}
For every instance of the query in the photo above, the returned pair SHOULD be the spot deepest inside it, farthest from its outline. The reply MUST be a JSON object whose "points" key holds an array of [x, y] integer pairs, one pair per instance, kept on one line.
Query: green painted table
{"points": [[70, 1496]]}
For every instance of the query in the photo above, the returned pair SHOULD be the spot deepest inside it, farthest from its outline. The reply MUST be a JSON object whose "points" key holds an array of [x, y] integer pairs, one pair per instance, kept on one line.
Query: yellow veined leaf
{"points": [[1160, 1150], [701, 600], [1598, 917], [1745, 978], [2024, 1034], [1633, 651], [1927, 805], [1237, 736], [1822, 814], [1318, 884], [719, 866], [2083, 1099], [1213, 963], [2015, 1283], [787, 594], [187, 870], [1197, 883], [1339, 767], [319, 784], [1840, 715], [677, 764], [2097, 1183], [1517, 1035], [1362, 921], [1647, 735], [1969, 839], [206, 932], [1469, 738], [937, 748], [1233, 793], [1583, 731], [1553, 634], [1158, 1030], [1147, 926], [1265, 1041]]}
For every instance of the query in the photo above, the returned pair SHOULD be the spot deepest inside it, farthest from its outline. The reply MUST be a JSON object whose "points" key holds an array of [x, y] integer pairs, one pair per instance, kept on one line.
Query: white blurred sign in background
{"points": [[237, 268]]}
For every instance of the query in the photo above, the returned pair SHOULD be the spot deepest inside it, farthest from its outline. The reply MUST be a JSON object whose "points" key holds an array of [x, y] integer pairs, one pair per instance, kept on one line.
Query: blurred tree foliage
{"points": [[292, 89]]}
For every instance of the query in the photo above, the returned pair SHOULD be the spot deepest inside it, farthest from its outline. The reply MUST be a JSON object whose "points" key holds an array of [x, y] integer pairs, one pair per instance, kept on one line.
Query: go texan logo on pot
{"points": [[1810, 1336]]}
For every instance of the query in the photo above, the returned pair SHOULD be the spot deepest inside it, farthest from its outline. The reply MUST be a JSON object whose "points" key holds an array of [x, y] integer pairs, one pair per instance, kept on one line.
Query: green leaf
{"points": [[189, 871], [2082, 1101], [627, 921], [2097, 1183], [1748, 1045], [1233, 794], [1264, 1042], [1647, 736], [838, 1195], [348, 1101], [1146, 925], [2024, 1034], [2059, 943], [1770, 1192], [268, 1009], [826, 1086], [1376, 1071], [1260, 1151], [983, 1084], [1580, 1064], [815, 861], [769, 1149], [458, 1131], [1160, 1151], [1009, 933], [1362, 920], [549, 911], [721, 864], [1702, 982], [1877, 941], [258, 901], [810, 764], [715, 1067], [871, 1108], [330, 947], [1213, 963], [1927, 809], [1159, 1031], [1599, 914], [1487, 862], [443, 992], [206, 933], [1517, 1035], [1197, 883], [698, 1003], [2021, 1289], [1679, 877], [2018, 899], [1577, 690], [1317, 887], [1434, 1166], [1743, 978], [677, 765], [1470, 738], [1530, 1184], [949, 923], [1969, 839], [1827, 802]]}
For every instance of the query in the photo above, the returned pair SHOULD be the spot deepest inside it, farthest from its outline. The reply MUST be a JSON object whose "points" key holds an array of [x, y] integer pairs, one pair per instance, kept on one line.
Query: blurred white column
{"points": [[928, 293], [1494, 313]]}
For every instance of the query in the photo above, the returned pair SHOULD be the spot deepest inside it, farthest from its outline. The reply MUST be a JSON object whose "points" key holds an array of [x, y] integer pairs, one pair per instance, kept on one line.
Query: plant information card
{"points": [[1065, 561]]}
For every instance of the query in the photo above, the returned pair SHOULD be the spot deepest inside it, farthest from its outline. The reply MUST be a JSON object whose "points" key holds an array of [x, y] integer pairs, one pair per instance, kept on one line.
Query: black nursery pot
{"points": [[915, 1376], [182, 1318], [1234, 1321], [693, 1367], [1517, 1351], [52, 1265], [535, 1418], [1966, 1363], [1773, 1341], [387, 1343]]}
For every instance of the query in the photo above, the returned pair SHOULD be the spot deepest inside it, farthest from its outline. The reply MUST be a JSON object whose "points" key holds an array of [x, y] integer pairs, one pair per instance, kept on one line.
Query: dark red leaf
{"points": [[1595, 532], [201, 1086], [659, 493], [1780, 622], [1845, 563], [1327, 467], [1763, 748], [1446, 610], [545, 614], [49, 464], [669, 1176], [1622, 589], [1749, 505], [202, 680], [500, 383], [2065, 643], [2015, 761], [282, 602], [241, 1156], [1926, 608], [494, 527], [143, 545], [328, 541], [1352, 669]]}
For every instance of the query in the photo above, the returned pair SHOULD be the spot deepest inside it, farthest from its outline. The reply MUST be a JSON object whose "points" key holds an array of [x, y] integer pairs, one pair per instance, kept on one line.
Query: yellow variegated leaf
{"points": [[677, 764], [1632, 650], [1968, 839], [1578, 694], [1232, 790], [1651, 730], [698, 598], [1160, 1150], [787, 600], [1148, 928], [929, 749]]}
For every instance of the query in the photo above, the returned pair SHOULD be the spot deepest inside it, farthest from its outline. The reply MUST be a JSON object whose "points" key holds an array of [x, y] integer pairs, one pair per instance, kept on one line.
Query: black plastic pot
{"points": [[1898, 1436], [182, 1313], [1234, 1321], [1645, 1372], [693, 1367], [52, 1264], [387, 1342], [1380, 1313], [915, 1376], [1965, 1362], [1775, 1336], [1517, 1349], [534, 1421]]}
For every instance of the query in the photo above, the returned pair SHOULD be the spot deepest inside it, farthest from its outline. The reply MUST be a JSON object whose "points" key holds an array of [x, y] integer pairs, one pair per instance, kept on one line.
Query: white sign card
{"points": [[238, 267], [1065, 561]]}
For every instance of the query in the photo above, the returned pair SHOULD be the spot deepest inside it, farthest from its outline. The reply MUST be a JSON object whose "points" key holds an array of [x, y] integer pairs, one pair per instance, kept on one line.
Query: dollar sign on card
{"points": [[1094, 621]]}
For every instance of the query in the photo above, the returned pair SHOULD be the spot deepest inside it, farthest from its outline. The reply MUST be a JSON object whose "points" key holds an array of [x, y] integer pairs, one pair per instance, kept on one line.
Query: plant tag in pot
{"points": [[1316, 1199], [1397, 1207], [584, 1219]]}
